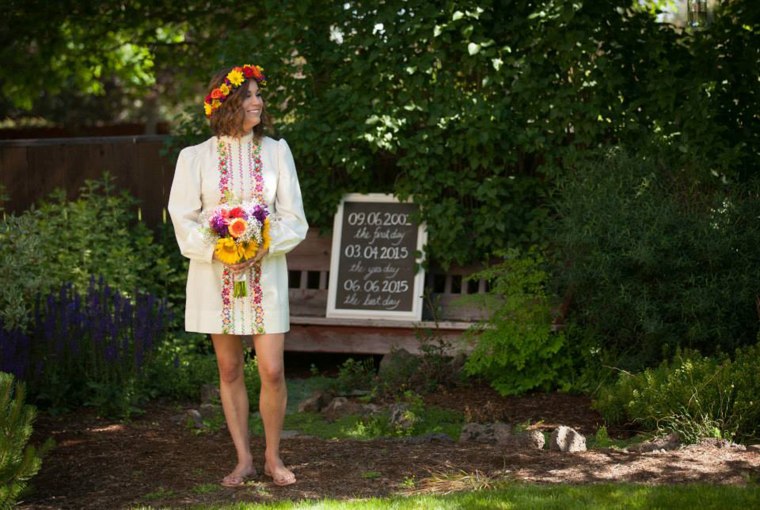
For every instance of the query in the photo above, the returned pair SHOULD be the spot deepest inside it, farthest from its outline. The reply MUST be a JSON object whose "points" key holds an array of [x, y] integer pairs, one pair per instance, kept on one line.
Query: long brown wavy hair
{"points": [[228, 119]]}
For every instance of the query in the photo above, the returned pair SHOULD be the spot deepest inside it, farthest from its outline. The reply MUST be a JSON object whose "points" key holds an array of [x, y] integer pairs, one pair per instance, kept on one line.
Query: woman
{"points": [[240, 163]]}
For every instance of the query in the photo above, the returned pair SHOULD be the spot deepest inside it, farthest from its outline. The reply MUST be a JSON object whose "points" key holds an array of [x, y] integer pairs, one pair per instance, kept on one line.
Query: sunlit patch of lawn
{"points": [[508, 496]]}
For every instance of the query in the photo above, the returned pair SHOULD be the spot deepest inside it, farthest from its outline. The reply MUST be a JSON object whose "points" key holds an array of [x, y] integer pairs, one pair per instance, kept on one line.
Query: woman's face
{"points": [[253, 104]]}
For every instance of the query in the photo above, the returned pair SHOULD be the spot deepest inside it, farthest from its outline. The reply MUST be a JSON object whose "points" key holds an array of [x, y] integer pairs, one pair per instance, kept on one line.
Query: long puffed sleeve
{"points": [[289, 226], [185, 207]]}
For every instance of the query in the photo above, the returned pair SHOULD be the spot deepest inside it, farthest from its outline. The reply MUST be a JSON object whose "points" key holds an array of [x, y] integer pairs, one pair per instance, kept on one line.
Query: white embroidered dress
{"points": [[199, 182]]}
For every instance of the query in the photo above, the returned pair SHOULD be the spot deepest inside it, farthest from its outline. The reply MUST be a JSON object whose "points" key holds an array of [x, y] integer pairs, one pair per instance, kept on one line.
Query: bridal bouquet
{"points": [[238, 231]]}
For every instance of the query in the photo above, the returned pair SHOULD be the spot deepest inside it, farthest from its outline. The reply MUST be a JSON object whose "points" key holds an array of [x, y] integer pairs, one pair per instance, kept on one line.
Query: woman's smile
{"points": [[253, 104]]}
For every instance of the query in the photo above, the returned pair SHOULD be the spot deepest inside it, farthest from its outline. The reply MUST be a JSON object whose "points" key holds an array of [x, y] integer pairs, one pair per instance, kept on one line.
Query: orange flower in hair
{"points": [[234, 79]]}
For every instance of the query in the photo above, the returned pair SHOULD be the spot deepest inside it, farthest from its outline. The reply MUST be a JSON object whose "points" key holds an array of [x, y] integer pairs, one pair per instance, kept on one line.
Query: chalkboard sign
{"points": [[374, 272]]}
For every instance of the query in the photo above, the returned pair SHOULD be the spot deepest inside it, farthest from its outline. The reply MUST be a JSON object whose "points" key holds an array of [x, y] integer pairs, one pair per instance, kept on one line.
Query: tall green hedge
{"points": [[653, 259]]}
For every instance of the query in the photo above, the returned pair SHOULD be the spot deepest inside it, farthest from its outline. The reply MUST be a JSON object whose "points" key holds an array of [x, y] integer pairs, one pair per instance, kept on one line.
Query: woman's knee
{"points": [[272, 373], [229, 357], [230, 370]]}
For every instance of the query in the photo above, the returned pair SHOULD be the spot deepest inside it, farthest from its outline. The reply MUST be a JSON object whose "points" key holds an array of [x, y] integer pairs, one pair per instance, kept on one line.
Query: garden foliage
{"points": [[475, 109], [86, 349], [693, 395], [356, 375], [472, 106], [83, 288], [654, 256], [184, 363], [517, 349], [69, 241], [19, 461]]}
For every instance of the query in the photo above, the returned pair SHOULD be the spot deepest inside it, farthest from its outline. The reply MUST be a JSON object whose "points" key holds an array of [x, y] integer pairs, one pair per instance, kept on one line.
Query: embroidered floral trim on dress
{"points": [[227, 285], [255, 171]]}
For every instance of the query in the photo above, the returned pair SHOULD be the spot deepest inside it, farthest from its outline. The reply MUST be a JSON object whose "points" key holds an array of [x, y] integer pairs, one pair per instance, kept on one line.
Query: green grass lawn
{"points": [[538, 497]]}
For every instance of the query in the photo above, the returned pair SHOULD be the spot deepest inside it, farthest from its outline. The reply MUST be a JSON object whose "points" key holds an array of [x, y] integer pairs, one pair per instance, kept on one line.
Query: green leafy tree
{"points": [[472, 107], [78, 62], [475, 109]]}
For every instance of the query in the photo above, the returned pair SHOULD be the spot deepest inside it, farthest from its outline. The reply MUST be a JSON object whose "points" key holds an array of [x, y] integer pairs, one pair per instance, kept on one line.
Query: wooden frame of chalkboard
{"points": [[374, 270]]}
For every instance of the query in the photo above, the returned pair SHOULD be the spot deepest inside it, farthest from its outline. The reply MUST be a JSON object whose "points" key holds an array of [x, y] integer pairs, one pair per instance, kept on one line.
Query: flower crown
{"points": [[234, 79]]}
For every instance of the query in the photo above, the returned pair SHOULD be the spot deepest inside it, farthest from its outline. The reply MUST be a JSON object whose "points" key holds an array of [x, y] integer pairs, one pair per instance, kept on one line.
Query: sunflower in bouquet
{"points": [[238, 232]]}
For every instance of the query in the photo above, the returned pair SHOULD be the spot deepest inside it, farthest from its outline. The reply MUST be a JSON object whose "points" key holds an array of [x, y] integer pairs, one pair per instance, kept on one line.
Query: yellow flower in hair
{"points": [[226, 251], [236, 77]]}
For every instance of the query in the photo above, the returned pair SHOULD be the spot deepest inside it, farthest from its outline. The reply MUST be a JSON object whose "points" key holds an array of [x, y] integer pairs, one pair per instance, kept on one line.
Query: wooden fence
{"points": [[31, 169]]}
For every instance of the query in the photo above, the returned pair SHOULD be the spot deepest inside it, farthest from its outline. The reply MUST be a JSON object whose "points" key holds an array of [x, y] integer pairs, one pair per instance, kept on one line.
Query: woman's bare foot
{"points": [[238, 476], [280, 475]]}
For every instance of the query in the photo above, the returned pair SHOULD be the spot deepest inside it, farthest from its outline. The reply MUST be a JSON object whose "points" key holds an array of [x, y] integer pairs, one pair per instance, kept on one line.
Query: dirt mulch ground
{"points": [[100, 463]]}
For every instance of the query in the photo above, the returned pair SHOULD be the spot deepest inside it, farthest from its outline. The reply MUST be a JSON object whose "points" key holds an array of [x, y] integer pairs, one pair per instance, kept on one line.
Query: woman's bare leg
{"points": [[272, 402], [230, 361]]}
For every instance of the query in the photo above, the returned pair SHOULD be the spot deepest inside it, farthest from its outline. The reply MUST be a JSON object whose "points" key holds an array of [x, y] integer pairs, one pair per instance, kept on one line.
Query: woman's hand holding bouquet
{"points": [[240, 233]]}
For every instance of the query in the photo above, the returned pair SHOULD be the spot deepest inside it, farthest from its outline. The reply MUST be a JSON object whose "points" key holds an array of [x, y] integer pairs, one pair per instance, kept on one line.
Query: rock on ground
{"points": [[316, 402], [341, 406], [496, 432], [566, 439]]}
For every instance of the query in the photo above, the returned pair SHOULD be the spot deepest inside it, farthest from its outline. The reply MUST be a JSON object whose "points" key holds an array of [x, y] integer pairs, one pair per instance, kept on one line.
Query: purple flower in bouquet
{"points": [[260, 213], [219, 225]]}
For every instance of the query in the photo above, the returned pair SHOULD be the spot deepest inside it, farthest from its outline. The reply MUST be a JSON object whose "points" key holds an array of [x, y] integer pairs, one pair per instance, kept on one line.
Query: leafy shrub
{"points": [[432, 369], [398, 372], [180, 367], [184, 363], [87, 349], [657, 257], [417, 419], [693, 395], [517, 349], [356, 375], [21, 278], [69, 241], [440, 366], [18, 460], [745, 385]]}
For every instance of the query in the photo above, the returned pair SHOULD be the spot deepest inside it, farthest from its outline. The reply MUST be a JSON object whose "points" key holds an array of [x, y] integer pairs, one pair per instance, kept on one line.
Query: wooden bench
{"points": [[444, 315]]}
